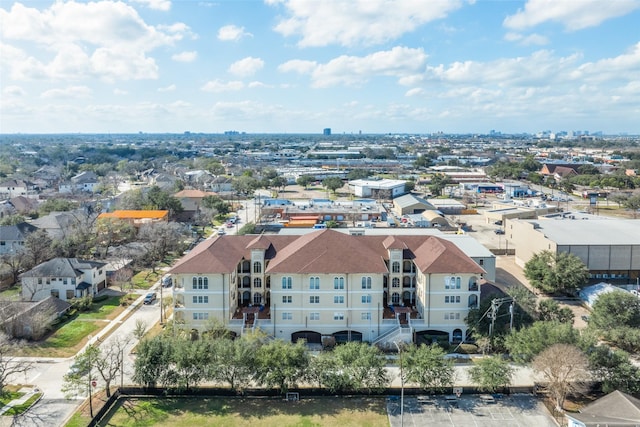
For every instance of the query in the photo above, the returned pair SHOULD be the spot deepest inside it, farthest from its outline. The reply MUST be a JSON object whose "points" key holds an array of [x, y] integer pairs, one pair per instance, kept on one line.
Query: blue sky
{"points": [[298, 66]]}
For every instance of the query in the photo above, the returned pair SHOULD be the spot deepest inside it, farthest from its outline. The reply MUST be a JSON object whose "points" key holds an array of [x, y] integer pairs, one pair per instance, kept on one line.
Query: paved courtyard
{"points": [[469, 411]]}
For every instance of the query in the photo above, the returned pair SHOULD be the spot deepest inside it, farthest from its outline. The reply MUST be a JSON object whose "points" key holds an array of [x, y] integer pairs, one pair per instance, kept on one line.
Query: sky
{"points": [[299, 66]]}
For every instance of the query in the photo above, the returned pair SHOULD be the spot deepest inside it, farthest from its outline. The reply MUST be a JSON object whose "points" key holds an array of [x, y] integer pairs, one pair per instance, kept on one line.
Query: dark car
{"points": [[150, 298], [499, 231]]}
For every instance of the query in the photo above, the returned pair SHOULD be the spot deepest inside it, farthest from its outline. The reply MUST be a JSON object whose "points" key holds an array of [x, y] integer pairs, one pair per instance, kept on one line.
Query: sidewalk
{"points": [[28, 392]]}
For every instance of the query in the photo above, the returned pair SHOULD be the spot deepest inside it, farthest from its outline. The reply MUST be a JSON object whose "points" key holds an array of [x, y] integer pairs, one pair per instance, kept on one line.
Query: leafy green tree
{"points": [[529, 163], [332, 183], [438, 183], [156, 198], [614, 369], [305, 180], [358, 174], [12, 219], [615, 309], [189, 360], [632, 204], [231, 361], [216, 203], [281, 364], [132, 200], [153, 359], [362, 365], [56, 205], [561, 272], [527, 343], [426, 366], [248, 228], [245, 184], [550, 310], [491, 374]]}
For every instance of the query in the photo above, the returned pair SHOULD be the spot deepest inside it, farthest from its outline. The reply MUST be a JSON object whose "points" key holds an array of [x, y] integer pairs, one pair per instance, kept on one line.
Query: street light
{"points": [[401, 385]]}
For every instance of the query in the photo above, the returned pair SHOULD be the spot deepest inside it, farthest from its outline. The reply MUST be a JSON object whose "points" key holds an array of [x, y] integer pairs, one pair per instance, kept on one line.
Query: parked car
{"points": [[499, 231], [229, 224], [150, 298], [221, 231], [167, 281]]}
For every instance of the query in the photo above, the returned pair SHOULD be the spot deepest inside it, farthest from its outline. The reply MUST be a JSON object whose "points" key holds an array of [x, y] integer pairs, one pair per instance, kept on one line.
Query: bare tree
{"points": [[160, 239], [38, 248], [565, 369], [10, 366], [15, 263], [122, 278], [140, 329]]}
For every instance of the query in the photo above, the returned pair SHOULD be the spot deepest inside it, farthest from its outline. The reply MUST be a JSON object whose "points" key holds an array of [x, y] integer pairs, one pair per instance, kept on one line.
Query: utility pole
{"points": [[401, 385]]}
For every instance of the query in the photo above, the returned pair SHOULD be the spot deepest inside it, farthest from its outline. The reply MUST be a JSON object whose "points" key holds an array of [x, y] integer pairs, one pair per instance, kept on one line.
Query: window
{"points": [[452, 299], [257, 282], [200, 316], [286, 283], [366, 299], [257, 298], [200, 283], [365, 316], [395, 267], [314, 299], [48, 280], [395, 283], [39, 280], [314, 316], [200, 299], [257, 267], [314, 283], [452, 282], [338, 299], [64, 281], [286, 299], [338, 316], [366, 283], [338, 283], [395, 298], [481, 262], [287, 316], [452, 316]]}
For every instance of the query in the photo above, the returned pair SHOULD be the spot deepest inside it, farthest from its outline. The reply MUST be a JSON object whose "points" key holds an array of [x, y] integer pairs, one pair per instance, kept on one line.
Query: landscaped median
{"points": [[18, 402]]}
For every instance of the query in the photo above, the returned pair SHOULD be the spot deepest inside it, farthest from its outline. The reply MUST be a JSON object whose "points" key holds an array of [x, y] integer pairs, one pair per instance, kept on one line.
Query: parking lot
{"points": [[469, 411]]}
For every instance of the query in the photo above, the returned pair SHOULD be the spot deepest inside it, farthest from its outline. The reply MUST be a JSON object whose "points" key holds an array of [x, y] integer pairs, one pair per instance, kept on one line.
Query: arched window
{"points": [[205, 283], [366, 283], [338, 283], [395, 267], [195, 283], [257, 267], [286, 283], [257, 298], [314, 283], [257, 282], [395, 283], [395, 298]]}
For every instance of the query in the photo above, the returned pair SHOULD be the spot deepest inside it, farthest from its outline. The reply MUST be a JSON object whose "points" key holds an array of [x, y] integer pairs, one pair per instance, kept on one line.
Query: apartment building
{"points": [[327, 283]]}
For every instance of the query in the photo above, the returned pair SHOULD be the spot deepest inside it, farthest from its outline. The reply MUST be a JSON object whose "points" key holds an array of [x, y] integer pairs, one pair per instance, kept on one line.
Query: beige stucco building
{"points": [[326, 283], [610, 248]]}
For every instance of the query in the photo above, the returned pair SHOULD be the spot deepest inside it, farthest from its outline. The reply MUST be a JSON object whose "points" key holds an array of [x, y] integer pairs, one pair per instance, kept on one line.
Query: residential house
{"points": [[12, 237], [221, 184], [30, 320], [63, 278], [86, 181], [191, 201], [327, 283], [16, 187], [616, 409]]}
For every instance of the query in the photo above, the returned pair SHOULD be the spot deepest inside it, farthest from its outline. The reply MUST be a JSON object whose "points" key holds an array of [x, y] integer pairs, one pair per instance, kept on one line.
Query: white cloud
{"points": [[416, 91], [120, 92], [622, 67], [354, 70], [232, 33], [572, 14], [351, 23], [80, 37], [163, 5], [527, 40], [257, 84], [67, 93], [220, 86], [13, 90], [185, 56], [169, 88], [246, 67]]}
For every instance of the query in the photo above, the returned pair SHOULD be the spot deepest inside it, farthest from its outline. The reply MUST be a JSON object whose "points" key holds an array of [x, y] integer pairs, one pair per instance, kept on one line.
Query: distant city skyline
{"points": [[300, 66]]}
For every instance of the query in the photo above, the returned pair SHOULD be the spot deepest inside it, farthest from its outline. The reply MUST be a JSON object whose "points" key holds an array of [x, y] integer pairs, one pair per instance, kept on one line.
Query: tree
{"points": [[438, 183], [188, 362], [38, 248], [305, 180], [156, 198], [358, 174], [615, 370], [564, 368], [552, 273], [10, 366], [248, 228], [15, 263], [281, 364], [426, 366], [232, 361], [161, 238], [550, 310], [140, 329], [615, 309], [332, 183], [216, 203], [491, 374], [113, 232], [354, 366], [245, 184], [524, 345], [632, 204], [153, 358]]}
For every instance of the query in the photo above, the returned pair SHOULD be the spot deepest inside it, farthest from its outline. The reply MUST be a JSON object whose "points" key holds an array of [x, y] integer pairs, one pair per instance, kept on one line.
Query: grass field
{"points": [[145, 279], [239, 412], [107, 309]]}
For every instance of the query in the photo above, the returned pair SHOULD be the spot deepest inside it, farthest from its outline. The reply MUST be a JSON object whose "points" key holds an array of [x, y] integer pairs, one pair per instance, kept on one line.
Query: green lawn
{"points": [[187, 412], [106, 309], [8, 396], [145, 279], [11, 294], [66, 341], [19, 409]]}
